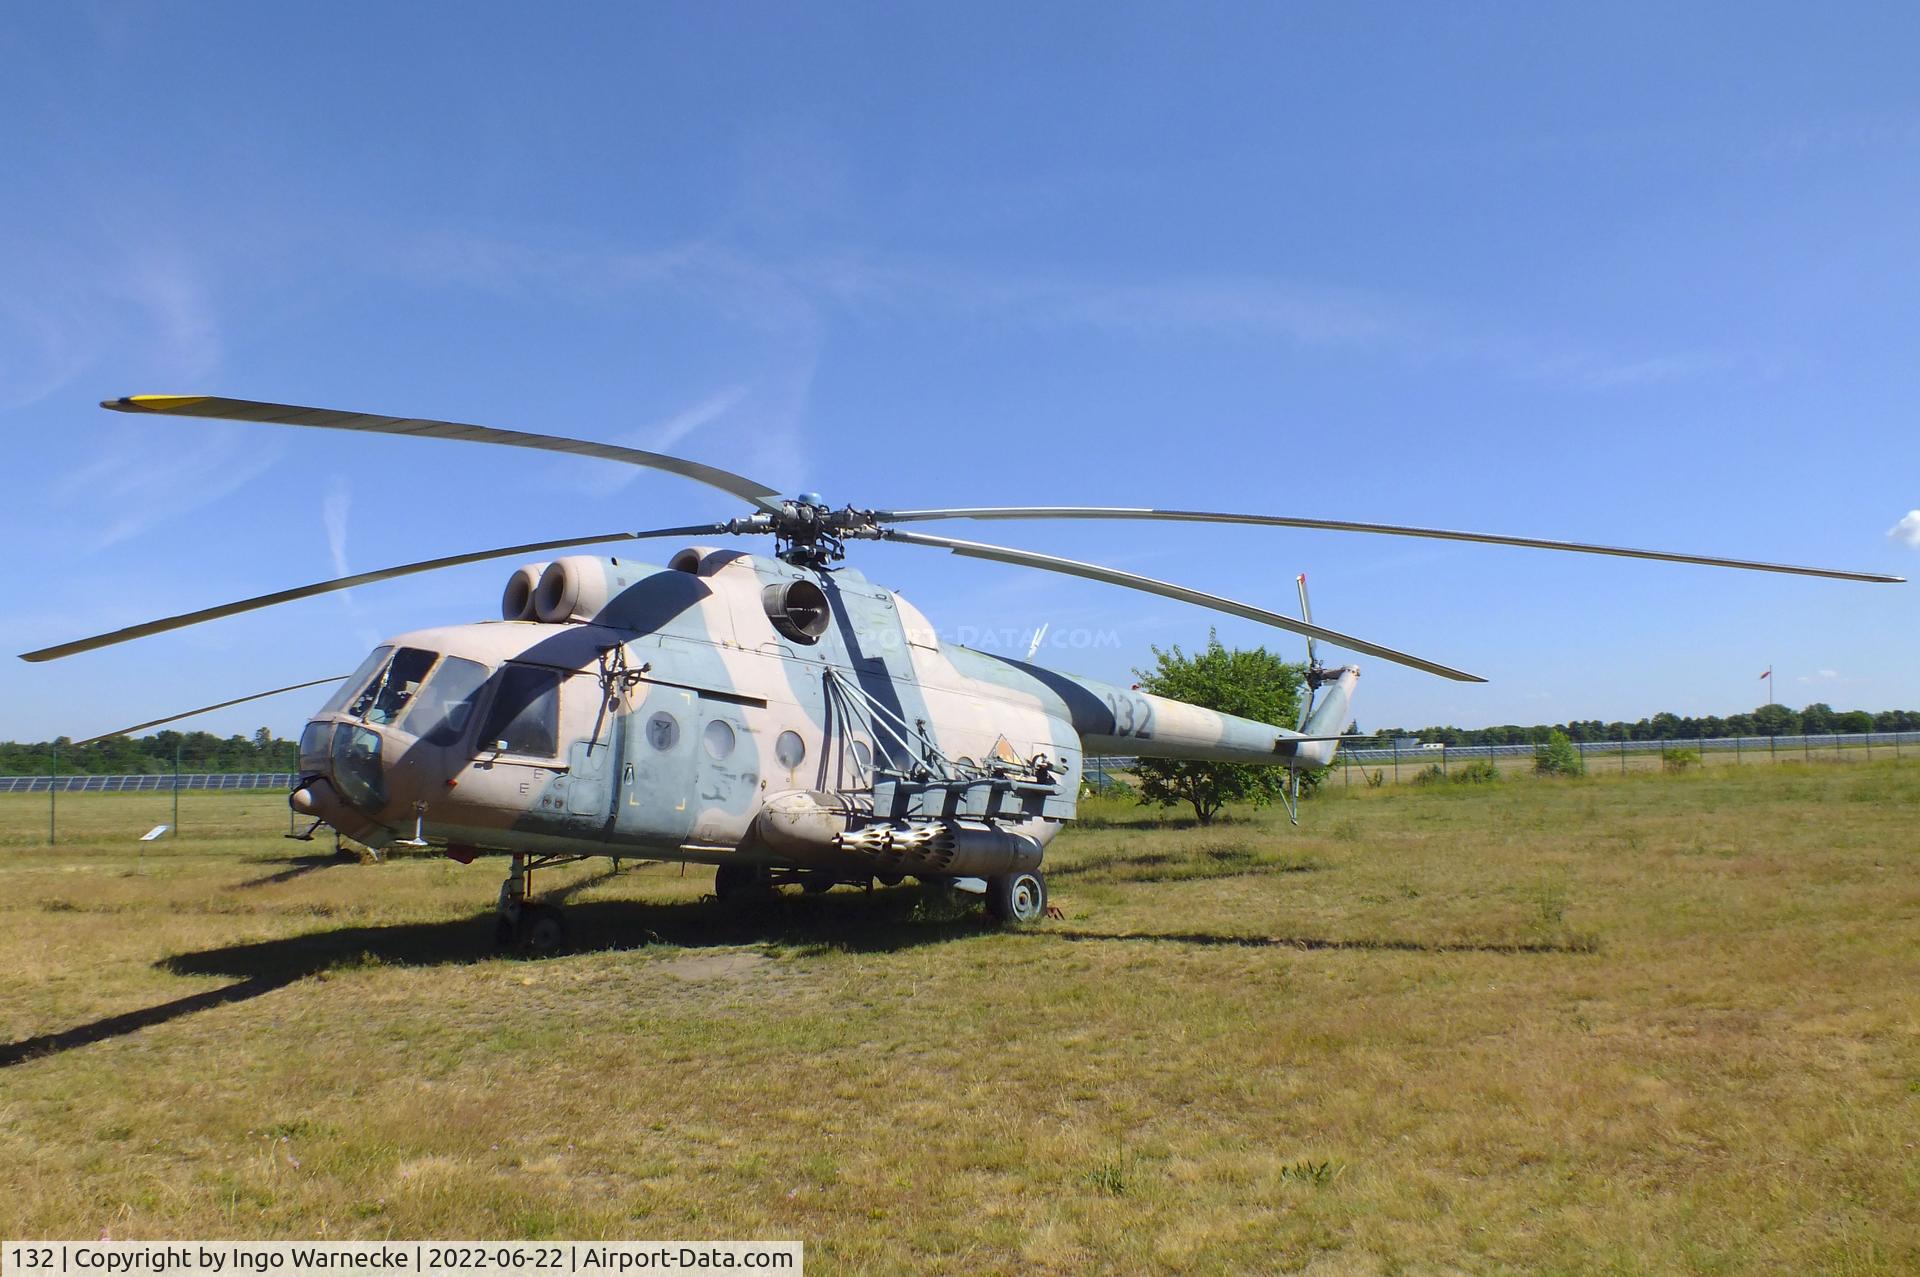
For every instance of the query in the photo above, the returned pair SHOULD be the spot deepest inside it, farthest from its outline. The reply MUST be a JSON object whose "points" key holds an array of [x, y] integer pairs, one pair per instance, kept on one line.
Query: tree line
{"points": [[151, 755], [1817, 719]]}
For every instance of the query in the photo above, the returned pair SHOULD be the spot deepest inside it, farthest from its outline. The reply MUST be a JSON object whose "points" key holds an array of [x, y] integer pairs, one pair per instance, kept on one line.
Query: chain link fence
{"points": [[1400, 761]]}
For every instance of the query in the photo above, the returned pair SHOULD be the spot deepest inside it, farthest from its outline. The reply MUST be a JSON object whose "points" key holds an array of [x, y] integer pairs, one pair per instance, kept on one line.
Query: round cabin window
{"points": [[862, 756], [790, 749], [663, 731], [718, 737]]}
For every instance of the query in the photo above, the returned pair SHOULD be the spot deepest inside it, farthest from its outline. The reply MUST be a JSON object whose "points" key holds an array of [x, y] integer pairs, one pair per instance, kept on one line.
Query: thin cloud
{"points": [[62, 314], [1907, 530], [790, 298], [665, 436], [334, 509], [138, 484]]}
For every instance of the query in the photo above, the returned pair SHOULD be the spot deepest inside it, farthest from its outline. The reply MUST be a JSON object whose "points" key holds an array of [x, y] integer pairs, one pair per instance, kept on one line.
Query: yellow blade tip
{"points": [[154, 403]]}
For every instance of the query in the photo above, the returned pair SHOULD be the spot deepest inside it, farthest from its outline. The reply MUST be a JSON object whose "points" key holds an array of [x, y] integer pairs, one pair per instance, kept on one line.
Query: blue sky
{"points": [[1642, 275]]}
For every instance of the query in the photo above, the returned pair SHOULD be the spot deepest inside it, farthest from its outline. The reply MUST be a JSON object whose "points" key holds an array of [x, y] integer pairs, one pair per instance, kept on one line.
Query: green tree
{"points": [[1248, 682], [1558, 757]]}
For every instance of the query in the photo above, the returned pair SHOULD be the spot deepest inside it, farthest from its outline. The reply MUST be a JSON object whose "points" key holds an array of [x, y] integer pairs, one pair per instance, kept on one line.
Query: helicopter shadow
{"points": [[881, 921]]}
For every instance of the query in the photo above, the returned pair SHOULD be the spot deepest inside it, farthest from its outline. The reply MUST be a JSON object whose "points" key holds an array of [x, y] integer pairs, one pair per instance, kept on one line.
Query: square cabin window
{"points": [[525, 717]]}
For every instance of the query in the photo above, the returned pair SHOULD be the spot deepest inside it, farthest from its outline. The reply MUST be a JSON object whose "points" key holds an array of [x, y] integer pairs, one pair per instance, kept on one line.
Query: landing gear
{"points": [[1017, 898], [540, 930], [737, 881], [526, 926]]}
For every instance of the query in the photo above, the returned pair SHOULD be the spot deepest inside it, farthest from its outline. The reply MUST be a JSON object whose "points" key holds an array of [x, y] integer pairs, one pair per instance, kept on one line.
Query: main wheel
{"points": [[540, 930], [1017, 898], [737, 881]]}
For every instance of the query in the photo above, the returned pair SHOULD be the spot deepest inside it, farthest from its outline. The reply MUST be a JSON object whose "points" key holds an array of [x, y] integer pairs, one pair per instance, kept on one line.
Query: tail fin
{"points": [[1330, 716]]}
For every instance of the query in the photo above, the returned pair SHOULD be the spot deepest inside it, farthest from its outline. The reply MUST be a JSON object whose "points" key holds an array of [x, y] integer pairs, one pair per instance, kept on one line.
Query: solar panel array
{"points": [[135, 784]]}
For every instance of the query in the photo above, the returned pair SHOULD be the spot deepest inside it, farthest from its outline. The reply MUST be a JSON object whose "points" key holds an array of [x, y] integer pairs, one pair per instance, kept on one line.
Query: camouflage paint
{"points": [[677, 692]]}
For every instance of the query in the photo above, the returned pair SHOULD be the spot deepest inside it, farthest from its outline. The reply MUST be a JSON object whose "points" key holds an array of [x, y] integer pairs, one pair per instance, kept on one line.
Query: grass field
{"points": [[1626, 1024]]}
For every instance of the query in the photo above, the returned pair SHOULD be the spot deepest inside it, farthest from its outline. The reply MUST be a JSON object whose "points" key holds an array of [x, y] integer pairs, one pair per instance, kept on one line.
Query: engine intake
{"points": [[517, 603], [571, 589]]}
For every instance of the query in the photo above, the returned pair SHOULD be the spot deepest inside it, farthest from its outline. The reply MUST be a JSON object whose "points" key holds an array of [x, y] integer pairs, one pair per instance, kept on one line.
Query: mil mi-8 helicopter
{"points": [[779, 717]]}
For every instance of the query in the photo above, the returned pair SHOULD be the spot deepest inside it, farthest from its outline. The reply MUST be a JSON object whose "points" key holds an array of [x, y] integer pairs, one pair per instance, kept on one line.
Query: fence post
{"points": [[53, 799], [1396, 760], [1738, 758], [1346, 771], [1806, 747], [1623, 758]]}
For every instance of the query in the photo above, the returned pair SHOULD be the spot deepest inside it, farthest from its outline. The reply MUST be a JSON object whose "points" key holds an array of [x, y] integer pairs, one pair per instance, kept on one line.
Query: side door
{"points": [[727, 767], [657, 794]]}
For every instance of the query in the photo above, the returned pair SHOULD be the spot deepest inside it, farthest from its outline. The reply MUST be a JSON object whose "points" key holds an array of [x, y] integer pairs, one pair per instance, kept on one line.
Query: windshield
{"points": [[394, 687], [440, 711], [357, 680]]}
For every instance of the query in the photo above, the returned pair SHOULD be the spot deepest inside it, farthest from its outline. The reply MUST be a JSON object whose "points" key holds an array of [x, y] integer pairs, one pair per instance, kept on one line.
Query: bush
{"points": [[1558, 757], [1481, 771], [1679, 760]]}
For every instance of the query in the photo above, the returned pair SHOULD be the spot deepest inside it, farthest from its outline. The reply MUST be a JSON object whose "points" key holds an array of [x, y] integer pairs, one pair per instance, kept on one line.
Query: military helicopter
{"points": [[779, 717]]}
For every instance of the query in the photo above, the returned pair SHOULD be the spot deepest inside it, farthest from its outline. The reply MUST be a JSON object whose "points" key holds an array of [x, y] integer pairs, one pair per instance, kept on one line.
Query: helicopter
{"points": [[777, 716]]}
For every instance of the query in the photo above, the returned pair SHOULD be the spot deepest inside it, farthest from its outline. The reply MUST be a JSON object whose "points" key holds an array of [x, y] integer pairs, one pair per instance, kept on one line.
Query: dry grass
{"points": [[1617, 1025]]}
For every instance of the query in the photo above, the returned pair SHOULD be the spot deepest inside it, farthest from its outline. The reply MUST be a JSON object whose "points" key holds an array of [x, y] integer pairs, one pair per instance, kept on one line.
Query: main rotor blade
{"points": [[1113, 576], [761, 496], [1348, 525], [207, 709], [346, 583]]}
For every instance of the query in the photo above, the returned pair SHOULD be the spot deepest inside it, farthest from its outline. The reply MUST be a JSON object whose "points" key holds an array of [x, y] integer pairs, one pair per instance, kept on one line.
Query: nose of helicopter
{"points": [[343, 777]]}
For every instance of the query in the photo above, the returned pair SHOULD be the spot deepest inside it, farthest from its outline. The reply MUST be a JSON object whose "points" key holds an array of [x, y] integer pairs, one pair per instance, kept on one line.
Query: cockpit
{"points": [[404, 698]]}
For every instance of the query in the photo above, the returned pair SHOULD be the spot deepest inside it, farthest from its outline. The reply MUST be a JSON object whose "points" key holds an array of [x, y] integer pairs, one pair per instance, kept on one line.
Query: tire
{"points": [[1018, 898], [737, 881], [542, 930]]}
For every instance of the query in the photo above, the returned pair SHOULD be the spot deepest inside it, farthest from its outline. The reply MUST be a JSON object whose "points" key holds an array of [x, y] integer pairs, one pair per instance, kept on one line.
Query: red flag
{"points": [[1769, 673]]}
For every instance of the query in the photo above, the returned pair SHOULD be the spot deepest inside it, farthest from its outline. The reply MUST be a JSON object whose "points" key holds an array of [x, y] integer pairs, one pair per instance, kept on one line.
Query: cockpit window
{"points": [[357, 680], [441, 710], [525, 718], [392, 690]]}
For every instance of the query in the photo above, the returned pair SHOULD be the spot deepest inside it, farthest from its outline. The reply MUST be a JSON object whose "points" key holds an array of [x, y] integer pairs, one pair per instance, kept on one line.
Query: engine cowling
{"points": [[571, 589], [516, 604]]}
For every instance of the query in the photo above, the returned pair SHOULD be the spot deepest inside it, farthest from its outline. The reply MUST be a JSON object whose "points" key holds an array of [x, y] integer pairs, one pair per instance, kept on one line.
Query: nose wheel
{"points": [[526, 926]]}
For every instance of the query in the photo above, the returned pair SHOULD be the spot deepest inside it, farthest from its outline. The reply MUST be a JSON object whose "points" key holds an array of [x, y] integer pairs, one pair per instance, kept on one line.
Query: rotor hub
{"points": [[808, 532]]}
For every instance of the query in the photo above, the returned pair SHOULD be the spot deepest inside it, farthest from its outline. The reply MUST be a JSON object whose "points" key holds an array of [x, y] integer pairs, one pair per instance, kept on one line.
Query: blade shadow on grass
{"points": [[113, 1026], [297, 866]]}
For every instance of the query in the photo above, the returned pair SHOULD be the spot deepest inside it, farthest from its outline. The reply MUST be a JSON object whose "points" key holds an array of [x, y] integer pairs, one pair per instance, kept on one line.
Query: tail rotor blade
{"points": [[1313, 655]]}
